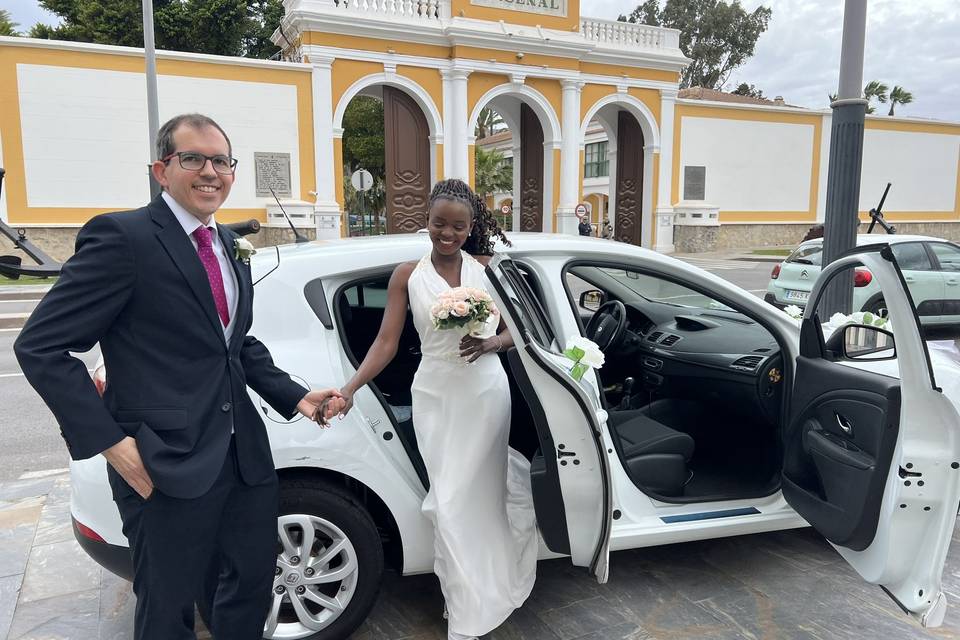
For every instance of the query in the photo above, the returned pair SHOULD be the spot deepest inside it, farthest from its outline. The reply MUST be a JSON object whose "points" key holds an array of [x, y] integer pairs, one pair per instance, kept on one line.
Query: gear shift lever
{"points": [[627, 392]]}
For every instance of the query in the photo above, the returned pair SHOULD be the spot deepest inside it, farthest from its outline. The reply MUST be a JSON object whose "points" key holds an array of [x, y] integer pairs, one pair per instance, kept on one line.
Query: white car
{"points": [[931, 268], [713, 416]]}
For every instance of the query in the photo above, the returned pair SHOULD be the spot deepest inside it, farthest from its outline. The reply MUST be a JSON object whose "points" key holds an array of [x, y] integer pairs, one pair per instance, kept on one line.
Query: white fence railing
{"points": [[628, 35], [429, 10]]}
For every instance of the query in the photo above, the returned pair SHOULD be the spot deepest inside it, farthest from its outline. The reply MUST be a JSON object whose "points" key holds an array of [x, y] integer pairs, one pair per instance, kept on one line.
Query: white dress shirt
{"points": [[191, 224]]}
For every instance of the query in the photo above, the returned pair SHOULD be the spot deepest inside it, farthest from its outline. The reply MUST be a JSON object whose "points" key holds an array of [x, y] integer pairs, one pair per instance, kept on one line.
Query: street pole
{"points": [[153, 116], [846, 157]]}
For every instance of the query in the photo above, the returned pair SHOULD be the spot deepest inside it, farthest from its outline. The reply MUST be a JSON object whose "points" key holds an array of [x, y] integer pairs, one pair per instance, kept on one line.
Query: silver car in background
{"points": [[931, 267]]}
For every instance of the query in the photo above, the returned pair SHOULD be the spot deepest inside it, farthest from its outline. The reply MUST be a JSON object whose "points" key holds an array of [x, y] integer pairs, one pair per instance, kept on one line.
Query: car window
{"points": [[369, 295], [660, 290], [947, 255], [912, 256], [811, 254]]}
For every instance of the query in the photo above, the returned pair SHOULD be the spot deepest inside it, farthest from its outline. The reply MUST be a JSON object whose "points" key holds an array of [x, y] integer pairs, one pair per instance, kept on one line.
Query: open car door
{"points": [[570, 474], [871, 450]]}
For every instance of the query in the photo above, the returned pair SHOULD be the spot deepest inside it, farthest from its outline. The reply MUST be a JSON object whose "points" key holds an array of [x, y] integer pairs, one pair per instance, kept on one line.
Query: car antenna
{"points": [[876, 215], [296, 234]]}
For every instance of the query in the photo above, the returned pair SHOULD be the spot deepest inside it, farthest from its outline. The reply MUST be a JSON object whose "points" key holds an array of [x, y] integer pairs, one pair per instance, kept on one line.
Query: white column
{"points": [[326, 209], [569, 157], [664, 217], [455, 124], [517, 150]]}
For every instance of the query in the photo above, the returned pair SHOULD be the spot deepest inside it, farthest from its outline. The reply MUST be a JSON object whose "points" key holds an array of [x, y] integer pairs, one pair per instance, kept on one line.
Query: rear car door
{"points": [[871, 448], [923, 281], [570, 476], [947, 256]]}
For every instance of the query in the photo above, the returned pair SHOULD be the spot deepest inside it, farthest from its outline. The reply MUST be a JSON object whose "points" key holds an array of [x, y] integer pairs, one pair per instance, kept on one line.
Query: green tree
{"points": [[875, 89], [7, 26], [224, 27], [487, 122], [717, 36], [899, 95], [363, 141], [493, 174], [744, 89]]}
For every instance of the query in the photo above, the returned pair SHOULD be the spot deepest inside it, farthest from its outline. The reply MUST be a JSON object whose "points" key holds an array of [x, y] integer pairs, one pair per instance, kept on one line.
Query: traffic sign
{"points": [[581, 210], [505, 209], [362, 180]]}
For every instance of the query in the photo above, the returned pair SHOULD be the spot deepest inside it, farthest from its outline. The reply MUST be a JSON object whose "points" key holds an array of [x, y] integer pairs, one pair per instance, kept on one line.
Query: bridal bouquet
{"points": [[465, 308]]}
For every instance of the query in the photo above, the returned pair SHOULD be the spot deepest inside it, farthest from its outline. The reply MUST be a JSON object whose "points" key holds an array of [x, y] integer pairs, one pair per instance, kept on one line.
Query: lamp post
{"points": [[153, 117], [846, 155]]}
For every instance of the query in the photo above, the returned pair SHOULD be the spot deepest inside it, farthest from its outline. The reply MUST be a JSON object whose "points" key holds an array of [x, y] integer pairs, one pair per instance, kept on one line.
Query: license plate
{"points": [[799, 296]]}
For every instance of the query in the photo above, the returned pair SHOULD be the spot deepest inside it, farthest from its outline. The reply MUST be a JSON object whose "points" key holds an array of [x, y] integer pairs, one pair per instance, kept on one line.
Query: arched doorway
{"points": [[533, 135], [402, 159], [632, 140]]}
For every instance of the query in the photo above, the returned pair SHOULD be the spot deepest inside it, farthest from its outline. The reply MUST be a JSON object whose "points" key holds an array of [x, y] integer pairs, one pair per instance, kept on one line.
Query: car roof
{"points": [[864, 239], [343, 255]]}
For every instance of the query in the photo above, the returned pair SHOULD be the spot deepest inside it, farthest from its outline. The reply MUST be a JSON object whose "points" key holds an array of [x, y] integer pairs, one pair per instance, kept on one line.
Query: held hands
{"points": [[124, 457], [321, 405], [472, 348]]}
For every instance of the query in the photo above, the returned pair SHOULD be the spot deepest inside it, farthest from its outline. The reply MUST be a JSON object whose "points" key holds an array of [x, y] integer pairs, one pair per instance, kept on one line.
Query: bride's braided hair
{"points": [[485, 225]]}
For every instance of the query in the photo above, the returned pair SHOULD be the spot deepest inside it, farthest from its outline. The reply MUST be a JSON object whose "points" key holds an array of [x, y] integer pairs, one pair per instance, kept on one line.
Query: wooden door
{"points": [[407, 144], [629, 217], [531, 170]]}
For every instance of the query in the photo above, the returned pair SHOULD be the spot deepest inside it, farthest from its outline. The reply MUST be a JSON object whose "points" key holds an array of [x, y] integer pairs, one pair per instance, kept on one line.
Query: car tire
{"points": [[333, 509]]}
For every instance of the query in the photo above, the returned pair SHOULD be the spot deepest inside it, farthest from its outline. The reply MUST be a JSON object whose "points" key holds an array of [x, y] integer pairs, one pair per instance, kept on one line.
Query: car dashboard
{"points": [[701, 353]]}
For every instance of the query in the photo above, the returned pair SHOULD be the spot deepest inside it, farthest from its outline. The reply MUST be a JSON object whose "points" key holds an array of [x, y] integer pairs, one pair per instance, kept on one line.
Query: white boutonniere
{"points": [[242, 250], [585, 355]]}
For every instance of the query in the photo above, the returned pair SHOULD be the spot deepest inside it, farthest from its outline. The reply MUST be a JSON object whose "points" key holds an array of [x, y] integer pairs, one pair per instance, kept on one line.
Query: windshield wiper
{"points": [[801, 261]]}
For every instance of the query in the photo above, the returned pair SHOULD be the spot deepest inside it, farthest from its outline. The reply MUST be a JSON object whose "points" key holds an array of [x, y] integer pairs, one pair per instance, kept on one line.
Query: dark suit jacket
{"points": [[136, 285]]}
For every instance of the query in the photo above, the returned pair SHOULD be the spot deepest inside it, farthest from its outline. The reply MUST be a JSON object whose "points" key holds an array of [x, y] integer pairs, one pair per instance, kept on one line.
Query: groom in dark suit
{"points": [[168, 295]]}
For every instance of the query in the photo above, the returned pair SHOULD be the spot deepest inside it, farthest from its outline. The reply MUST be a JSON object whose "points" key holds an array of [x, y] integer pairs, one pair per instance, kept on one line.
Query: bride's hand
{"points": [[346, 396], [472, 348]]}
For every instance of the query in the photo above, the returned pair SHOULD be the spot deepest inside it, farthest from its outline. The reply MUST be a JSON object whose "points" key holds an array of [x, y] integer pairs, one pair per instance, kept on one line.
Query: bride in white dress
{"points": [[479, 500]]}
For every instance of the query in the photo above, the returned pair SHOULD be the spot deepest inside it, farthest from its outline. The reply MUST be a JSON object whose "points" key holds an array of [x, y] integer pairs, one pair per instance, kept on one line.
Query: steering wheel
{"points": [[608, 324]]}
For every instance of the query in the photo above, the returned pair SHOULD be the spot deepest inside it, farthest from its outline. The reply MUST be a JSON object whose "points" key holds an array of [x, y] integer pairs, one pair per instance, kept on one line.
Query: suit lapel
{"points": [[184, 256], [227, 239]]}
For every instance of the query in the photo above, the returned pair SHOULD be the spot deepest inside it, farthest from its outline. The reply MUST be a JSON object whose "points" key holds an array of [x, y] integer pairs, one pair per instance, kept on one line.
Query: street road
{"points": [[30, 438]]}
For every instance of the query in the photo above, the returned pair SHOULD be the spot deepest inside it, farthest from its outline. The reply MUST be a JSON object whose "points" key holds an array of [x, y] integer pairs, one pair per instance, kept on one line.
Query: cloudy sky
{"points": [[913, 43]]}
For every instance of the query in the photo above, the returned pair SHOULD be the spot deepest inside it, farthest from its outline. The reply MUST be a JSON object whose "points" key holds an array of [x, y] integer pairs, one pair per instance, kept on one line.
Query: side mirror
{"points": [[592, 299], [863, 343]]}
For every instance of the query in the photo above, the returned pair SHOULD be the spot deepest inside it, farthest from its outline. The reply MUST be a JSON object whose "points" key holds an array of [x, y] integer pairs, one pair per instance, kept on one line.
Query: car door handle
{"points": [[952, 281], [844, 424], [908, 278]]}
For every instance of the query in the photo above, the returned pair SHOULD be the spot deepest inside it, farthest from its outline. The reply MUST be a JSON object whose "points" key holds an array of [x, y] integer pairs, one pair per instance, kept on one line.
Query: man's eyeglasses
{"points": [[194, 161]]}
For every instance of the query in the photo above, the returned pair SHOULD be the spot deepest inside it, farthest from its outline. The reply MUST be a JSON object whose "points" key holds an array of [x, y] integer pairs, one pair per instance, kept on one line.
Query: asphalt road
{"points": [[30, 438]]}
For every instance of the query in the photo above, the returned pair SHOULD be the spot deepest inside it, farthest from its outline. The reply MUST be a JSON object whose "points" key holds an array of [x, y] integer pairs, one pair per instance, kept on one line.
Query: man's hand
{"points": [[125, 458], [321, 405]]}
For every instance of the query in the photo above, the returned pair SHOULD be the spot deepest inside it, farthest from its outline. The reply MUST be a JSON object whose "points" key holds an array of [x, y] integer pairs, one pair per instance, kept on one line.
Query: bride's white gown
{"points": [[479, 501]]}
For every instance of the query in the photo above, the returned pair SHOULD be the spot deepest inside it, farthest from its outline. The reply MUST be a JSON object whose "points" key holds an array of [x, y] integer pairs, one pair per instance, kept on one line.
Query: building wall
{"points": [[74, 126], [922, 166]]}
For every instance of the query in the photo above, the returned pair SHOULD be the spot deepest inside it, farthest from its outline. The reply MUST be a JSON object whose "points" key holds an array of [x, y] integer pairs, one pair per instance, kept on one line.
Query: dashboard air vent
{"points": [[656, 335], [747, 363], [670, 340]]}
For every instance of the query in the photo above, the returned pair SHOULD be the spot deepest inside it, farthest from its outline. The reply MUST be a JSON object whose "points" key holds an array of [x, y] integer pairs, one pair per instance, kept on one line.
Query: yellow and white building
{"points": [[73, 126]]}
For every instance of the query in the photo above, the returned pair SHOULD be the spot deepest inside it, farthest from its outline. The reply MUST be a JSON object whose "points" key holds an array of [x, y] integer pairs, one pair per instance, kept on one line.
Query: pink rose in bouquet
{"points": [[464, 308]]}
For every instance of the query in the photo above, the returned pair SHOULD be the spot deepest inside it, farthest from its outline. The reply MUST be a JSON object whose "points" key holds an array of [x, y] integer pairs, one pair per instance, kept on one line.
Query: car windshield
{"points": [[659, 290], [810, 254]]}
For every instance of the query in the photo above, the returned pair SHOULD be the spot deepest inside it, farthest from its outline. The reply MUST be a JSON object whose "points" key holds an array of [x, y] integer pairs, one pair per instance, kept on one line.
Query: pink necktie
{"points": [[212, 265]]}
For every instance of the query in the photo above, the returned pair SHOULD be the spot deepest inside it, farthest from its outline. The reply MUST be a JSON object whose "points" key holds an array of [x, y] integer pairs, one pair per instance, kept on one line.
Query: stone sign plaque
{"points": [[694, 183], [547, 7], [273, 170]]}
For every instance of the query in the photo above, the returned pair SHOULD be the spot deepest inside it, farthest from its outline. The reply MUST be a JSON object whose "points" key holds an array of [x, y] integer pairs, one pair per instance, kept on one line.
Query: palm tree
{"points": [[493, 174], [875, 89], [7, 26], [899, 95], [487, 122]]}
